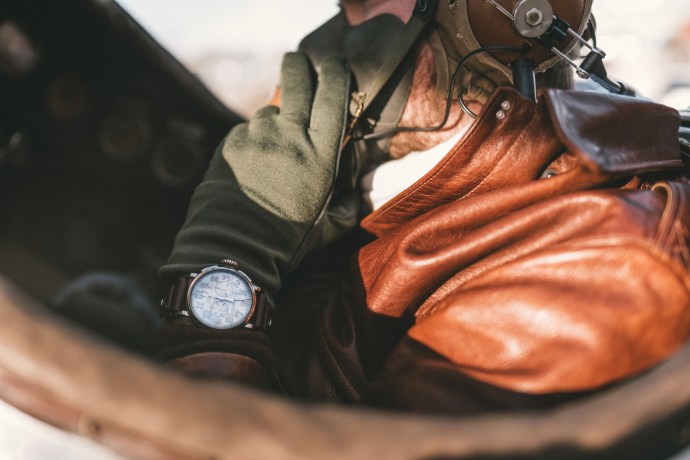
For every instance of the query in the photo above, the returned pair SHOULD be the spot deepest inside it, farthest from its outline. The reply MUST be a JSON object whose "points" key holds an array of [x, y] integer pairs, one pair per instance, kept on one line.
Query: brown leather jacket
{"points": [[546, 255]]}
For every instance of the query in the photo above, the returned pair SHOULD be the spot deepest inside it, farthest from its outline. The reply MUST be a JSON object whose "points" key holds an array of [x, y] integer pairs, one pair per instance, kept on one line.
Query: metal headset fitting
{"points": [[512, 40]]}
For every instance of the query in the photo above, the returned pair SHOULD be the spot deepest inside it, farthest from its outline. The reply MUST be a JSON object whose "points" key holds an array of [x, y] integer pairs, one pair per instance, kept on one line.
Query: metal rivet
{"points": [[534, 17], [549, 173], [500, 114], [506, 105]]}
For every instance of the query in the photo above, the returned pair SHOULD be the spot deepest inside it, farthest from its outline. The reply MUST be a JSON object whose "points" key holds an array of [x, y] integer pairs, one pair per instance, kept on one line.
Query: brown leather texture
{"points": [[616, 135], [492, 28], [81, 384], [511, 279], [223, 366], [540, 285]]}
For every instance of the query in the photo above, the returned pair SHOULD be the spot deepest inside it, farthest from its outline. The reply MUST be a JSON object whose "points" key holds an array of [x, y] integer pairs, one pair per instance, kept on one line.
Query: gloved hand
{"points": [[263, 200], [262, 203]]}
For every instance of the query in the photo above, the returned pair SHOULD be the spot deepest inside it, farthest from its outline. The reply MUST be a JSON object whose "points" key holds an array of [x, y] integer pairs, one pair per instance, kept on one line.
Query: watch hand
{"points": [[216, 297]]}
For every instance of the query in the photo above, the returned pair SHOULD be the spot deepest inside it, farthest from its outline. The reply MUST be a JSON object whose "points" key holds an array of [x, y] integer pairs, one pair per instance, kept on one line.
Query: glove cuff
{"points": [[218, 354], [225, 366]]}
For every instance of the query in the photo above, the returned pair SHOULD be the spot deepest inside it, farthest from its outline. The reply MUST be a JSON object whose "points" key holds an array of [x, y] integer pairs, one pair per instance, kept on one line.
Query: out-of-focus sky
{"points": [[230, 25], [235, 45]]}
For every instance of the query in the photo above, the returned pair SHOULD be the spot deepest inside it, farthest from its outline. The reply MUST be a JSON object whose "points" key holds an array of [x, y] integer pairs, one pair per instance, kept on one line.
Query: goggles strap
{"points": [[362, 100]]}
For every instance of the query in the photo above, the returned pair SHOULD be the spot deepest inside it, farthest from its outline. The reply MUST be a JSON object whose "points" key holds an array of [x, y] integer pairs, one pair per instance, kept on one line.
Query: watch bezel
{"points": [[208, 271]]}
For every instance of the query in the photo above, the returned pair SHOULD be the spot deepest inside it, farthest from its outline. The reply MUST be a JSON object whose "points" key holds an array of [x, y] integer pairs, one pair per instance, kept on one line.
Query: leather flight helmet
{"points": [[467, 25]]}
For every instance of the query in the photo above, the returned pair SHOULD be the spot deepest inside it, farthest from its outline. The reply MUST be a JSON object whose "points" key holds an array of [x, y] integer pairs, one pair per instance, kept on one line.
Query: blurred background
{"points": [[235, 46]]}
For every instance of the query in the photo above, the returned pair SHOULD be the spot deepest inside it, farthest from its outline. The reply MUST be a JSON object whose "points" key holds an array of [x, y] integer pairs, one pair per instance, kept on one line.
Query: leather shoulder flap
{"points": [[616, 135]]}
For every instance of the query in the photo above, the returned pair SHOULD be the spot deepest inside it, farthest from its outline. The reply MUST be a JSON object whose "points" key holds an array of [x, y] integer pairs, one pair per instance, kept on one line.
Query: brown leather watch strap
{"points": [[261, 319], [175, 301]]}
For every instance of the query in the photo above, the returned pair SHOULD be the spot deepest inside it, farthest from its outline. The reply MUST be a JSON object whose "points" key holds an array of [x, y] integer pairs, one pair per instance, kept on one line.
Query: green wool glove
{"points": [[264, 199]]}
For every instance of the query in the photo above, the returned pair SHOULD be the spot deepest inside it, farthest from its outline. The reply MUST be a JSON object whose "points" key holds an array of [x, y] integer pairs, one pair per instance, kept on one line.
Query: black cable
{"points": [[592, 28], [521, 49], [449, 95]]}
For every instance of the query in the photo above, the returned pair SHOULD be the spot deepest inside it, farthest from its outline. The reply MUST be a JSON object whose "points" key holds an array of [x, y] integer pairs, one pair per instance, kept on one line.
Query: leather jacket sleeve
{"points": [[596, 291]]}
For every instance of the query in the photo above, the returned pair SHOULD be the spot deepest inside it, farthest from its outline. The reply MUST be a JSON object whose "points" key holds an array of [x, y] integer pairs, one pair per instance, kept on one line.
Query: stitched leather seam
{"points": [[470, 135], [524, 133], [665, 233]]}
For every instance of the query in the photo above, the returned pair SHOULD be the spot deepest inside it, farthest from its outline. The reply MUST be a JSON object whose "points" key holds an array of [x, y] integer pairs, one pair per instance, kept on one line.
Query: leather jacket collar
{"points": [[595, 137]]}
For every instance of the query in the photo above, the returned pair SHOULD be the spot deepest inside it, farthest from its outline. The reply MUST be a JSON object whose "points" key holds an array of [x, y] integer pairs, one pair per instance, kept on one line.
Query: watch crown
{"points": [[229, 263]]}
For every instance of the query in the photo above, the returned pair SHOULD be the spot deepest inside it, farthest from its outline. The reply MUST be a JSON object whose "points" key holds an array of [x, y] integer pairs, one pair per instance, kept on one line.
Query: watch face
{"points": [[221, 298]]}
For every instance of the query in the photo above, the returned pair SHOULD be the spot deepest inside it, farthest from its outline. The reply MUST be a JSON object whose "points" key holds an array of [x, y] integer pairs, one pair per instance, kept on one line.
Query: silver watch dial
{"points": [[221, 298]]}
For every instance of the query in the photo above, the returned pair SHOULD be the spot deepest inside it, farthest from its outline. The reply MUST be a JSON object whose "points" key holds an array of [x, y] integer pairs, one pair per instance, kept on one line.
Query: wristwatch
{"points": [[219, 297]]}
